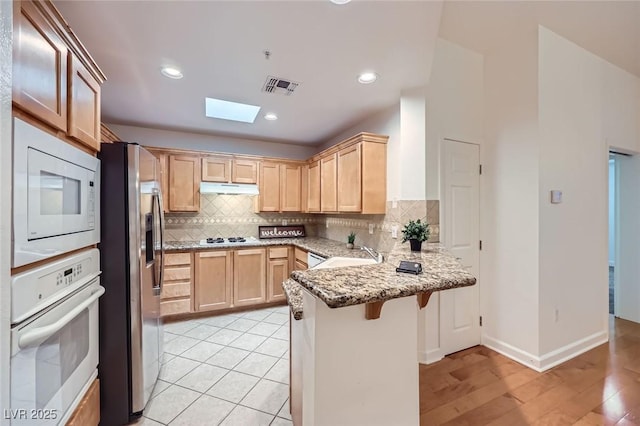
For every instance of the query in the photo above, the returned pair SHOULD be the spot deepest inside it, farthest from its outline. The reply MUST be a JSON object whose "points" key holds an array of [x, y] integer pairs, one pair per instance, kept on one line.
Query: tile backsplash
{"points": [[234, 215], [227, 216]]}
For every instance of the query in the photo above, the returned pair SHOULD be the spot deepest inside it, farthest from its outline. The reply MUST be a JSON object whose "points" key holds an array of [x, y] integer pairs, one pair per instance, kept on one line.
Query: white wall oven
{"points": [[56, 196], [54, 338]]}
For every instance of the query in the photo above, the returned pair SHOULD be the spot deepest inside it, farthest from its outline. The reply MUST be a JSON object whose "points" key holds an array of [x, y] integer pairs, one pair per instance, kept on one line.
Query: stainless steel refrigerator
{"points": [[132, 271]]}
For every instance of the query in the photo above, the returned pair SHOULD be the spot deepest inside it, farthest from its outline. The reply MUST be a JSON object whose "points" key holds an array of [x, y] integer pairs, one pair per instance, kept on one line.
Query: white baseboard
{"points": [[429, 357], [550, 359]]}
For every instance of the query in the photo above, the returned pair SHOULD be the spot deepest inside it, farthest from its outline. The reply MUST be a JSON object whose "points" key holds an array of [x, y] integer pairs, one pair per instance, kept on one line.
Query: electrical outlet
{"points": [[284, 222], [394, 203], [394, 231], [371, 226]]}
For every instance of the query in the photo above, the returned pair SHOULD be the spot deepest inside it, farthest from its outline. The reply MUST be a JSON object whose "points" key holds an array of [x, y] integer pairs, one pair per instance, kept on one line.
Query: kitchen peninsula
{"points": [[357, 326]]}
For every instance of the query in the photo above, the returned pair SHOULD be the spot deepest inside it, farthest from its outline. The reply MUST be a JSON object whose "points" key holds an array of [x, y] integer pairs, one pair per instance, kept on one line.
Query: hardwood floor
{"points": [[478, 386]]}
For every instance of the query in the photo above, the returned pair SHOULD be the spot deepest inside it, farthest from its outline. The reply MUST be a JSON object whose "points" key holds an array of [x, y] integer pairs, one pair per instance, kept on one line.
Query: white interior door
{"points": [[460, 193]]}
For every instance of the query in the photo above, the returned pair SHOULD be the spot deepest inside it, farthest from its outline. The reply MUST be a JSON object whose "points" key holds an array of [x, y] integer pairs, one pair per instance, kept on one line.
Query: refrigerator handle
{"points": [[161, 216]]}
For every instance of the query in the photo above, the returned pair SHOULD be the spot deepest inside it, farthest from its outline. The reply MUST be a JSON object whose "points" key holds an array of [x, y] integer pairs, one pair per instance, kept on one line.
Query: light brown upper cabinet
{"points": [[184, 183], [280, 186], [313, 189], [329, 183], [350, 179], [304, 188], [244, 171], [164, 179], [84, 105], [229, 170], [55, 79], [214, 280], [269, 197], [290, 188], [249, 276], [216, 169]]}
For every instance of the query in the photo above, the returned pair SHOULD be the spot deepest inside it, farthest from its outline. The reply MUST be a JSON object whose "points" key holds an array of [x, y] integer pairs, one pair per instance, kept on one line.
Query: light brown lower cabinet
{"points": [[178, 282], [88, 411], [214, 277], [249, 276], [300, 260], [278, 271]]}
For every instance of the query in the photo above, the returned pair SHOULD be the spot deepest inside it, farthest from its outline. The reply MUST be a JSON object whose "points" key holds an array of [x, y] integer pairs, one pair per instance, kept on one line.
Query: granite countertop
{"points": [[293, 291], [320, 246], [354, 285]]}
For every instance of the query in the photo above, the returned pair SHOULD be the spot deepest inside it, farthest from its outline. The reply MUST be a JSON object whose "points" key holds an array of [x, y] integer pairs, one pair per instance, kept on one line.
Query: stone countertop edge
{"points": [[293, 292], [317, 245], [355, 285]]}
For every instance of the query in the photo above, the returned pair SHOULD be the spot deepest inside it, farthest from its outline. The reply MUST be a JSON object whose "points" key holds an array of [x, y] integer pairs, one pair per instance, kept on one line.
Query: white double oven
{"points": [[54, 307]]}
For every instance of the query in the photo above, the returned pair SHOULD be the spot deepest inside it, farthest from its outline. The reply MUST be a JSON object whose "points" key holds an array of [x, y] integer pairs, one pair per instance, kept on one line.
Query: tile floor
{"points": [[224, 370]]}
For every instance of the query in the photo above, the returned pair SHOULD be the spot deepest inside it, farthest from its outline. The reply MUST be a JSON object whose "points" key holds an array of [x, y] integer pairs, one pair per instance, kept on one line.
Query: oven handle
{"points": [[40, 333]]}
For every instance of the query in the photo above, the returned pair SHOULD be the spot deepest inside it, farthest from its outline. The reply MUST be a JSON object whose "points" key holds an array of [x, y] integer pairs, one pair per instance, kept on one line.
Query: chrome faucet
{"points": [[374, 254]]}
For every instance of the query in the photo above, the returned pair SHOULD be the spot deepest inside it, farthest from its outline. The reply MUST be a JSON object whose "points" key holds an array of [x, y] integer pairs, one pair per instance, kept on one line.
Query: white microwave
{"points": [[56, 196]]}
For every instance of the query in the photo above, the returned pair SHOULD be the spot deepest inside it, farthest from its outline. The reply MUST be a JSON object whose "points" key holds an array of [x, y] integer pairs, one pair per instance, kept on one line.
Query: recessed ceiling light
{"points": [[367, 77], [171, 72], [340, 1], [227, 110], [270, 116]]}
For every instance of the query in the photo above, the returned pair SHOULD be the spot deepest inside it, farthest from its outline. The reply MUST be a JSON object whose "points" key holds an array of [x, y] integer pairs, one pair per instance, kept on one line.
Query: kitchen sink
{"points": [[340, 262]]}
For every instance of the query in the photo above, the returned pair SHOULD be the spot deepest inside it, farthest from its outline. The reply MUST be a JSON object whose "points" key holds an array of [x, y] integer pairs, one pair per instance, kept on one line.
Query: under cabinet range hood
{"points": [[228, 188]]}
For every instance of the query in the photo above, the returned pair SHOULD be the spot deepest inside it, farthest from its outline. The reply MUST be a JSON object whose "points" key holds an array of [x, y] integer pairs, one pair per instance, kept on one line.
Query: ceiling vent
{"points": [[279, 85]]}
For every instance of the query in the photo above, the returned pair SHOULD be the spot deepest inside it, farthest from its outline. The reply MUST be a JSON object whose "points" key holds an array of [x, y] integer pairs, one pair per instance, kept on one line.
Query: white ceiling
{"points": [[219, 47], [219, 44]]}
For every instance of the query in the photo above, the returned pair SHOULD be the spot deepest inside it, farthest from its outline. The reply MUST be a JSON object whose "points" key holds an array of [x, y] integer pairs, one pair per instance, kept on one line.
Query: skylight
{"points": [[226, 110]]}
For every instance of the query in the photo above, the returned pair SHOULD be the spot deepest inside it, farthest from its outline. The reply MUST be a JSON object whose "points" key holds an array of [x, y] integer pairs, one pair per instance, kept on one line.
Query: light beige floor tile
{"points": [[243, 416], [179, 327], [264, 329], [202, 377], [280, 422], [169, 337], [248, 342], [202, 351], [273, 347], [206, 411], [279, 372], [284, 411], [266, 396], [167, 357], [233, 387], [257, 315], [202, 331], [160, 386], [282, 333], [175, 369], [256, 364], [228, 357], [224, 337], [180, 344], [221, 320], [277, 318], [166, 406], [144, 421], [242, 324]]}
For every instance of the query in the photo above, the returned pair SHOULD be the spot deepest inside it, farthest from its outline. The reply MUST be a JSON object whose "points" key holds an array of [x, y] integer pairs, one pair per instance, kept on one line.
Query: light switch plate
{"points": [[556, 196], [394, 231], [371, 228]]}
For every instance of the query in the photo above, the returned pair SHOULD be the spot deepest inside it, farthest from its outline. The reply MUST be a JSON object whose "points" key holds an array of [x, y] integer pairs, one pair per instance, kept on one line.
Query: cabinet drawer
{"points": [[177, 274], [300, 266], [278, 252], [301, 255], [178, 289], [171, 259], [171, 307]]}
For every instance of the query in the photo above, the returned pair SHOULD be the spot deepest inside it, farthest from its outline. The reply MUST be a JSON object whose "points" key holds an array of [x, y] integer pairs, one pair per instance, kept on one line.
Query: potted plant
{"points": [[415, 232], [351, 238]]}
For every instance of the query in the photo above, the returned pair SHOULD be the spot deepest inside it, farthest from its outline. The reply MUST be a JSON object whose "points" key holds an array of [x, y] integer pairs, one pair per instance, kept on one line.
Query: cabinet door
{"points": [[213, 289], [249, 276], [244, 171], [184, 183], [278, 273], [39, 66], [350, 179], [328, 184], [313, 191], [216, 169], [84, 105], [269, 198], [290, 189], [304, 189], [164, 180]]}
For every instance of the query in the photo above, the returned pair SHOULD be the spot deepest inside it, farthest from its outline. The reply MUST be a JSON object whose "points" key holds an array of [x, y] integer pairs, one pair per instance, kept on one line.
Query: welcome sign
{"points": [[290, 231]]}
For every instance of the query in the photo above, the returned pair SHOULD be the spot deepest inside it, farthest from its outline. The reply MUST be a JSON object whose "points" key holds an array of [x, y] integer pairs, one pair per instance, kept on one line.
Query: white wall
{"points": [[197, 141], [612, 209], [455, 104], [386, 122], [509, 191], [5, 206], [573, 235], [411, 163]]}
